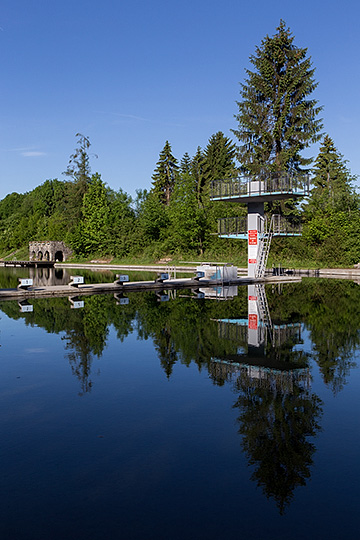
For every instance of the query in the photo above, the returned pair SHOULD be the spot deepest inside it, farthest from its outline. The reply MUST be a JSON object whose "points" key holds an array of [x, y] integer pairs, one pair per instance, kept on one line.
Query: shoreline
{"points": [[192, 267], [320, 272]]}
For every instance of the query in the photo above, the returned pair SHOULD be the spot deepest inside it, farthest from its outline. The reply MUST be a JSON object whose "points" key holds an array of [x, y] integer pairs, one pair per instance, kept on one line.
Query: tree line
{"points": [[278, 119]]}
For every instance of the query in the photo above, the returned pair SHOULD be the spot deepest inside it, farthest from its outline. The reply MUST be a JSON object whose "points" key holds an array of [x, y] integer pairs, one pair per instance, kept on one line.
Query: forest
{"points": [[175, 219]]}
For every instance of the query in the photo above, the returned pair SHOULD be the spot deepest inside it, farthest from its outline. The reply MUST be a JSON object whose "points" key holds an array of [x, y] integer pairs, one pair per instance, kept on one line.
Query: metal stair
{"points": [[264, 250], [264, 309]]}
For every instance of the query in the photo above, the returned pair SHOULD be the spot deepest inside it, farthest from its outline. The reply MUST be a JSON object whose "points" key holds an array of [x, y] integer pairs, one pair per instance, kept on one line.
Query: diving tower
{"points": [[256, 228]]}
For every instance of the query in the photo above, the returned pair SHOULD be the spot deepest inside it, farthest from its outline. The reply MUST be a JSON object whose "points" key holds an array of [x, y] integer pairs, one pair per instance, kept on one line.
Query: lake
{"points": [[207, 414]]}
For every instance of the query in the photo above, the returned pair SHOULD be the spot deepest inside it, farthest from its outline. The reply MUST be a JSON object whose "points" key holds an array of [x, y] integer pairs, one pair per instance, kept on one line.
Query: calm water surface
{"points": [[153, 417]]}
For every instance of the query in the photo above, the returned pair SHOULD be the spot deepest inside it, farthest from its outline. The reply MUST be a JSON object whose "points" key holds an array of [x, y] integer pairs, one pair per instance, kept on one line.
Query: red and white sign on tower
{"points": [[253, 237], [252, 245]]}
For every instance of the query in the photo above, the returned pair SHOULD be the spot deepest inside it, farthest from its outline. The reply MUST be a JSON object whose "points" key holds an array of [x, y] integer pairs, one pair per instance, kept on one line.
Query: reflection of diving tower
{"points": [[265, 350], [256, 229]]}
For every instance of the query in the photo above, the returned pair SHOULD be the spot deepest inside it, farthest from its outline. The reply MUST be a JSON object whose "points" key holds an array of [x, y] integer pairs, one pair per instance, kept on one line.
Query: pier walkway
{"points": [[130, 286]]}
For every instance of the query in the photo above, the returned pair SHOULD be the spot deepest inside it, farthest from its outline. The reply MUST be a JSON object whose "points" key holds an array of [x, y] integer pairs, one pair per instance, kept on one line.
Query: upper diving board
{"points": [[262, 189]]}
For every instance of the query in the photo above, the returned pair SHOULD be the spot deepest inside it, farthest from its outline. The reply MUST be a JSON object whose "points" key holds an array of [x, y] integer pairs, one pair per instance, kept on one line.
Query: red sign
{"points": [[252, 261], [252, 297], [253, 237], [253, 322]]}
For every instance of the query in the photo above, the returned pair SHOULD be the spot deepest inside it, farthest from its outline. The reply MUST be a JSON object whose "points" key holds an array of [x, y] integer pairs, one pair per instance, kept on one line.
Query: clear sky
{"points": [[132, 74]]}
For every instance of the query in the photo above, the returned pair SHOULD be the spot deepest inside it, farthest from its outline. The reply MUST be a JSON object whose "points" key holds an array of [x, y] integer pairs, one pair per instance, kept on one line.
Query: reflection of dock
{"points": [[220, 293], [261, 376], [29, 264]]}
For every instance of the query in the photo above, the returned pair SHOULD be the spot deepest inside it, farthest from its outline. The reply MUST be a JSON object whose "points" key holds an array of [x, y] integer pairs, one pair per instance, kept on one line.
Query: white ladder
{"points": [[265, 243]]}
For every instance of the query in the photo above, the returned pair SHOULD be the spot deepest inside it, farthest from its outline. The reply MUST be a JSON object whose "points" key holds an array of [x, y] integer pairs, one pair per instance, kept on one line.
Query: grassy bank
{"points": [[276, 258]]}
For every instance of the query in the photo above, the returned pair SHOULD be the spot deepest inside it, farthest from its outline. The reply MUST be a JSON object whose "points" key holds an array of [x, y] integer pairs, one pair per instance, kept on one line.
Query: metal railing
{"points": [[232, 226], [246, 186], [238, 226], [284, 226]]}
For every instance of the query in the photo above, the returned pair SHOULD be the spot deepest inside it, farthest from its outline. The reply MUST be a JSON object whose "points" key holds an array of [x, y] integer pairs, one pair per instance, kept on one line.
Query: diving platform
{"points": [[237, 227], [262, 189], [255, 191]]}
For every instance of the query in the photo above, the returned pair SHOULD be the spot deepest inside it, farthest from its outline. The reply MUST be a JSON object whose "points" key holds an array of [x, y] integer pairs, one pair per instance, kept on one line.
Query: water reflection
{"points": [[44, 277], [278, 416], [254, 342], [187, 331], [278, 411]]}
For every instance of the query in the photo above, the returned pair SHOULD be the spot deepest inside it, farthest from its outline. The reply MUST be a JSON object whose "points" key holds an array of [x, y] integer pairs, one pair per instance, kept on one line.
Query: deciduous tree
{"points": [[79, 162], [95, 211]]}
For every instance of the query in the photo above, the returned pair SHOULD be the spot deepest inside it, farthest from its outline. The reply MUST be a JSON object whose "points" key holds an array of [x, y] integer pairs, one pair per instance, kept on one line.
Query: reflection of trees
{"points": [[80, 360], [334, 323], [276, 425], [183, 331], [87, 337], [330, 311], [164, 346], [85, 330]]}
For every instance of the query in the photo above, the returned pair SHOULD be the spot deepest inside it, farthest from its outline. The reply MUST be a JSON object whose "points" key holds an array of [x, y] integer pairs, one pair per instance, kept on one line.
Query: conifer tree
{"points": [[165, 174], [219, 157], [332, 179], [185, 164], [277, 117], [197, 172], [332, 216]]}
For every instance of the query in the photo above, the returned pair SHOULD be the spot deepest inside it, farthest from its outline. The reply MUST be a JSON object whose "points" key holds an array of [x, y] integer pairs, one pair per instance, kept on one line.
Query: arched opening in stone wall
{"points": [[47, 256], [40, 256], [33, 256], [59, 256]]}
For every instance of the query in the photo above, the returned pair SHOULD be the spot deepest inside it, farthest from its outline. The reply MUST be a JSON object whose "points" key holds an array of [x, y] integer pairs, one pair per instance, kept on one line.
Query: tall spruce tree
{"points": [[197, 172], [332, 180], [219, 155], [185, 164], [165, 174], [277, 118]]}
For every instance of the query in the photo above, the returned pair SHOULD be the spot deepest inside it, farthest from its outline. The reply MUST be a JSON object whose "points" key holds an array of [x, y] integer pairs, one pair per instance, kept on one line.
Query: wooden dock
{"points": [[101, 288]]}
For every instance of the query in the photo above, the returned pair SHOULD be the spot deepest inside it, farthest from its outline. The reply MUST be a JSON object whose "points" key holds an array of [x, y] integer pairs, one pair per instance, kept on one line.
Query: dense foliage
{"points": [[332, 216], [174, 217]]}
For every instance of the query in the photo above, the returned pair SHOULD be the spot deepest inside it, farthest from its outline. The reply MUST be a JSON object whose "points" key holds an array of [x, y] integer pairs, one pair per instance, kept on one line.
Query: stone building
{"points": [[49, 251]]}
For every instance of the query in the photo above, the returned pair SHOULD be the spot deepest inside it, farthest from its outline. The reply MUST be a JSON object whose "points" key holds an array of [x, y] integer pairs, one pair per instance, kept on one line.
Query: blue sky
{"points": [[131, 75]]}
